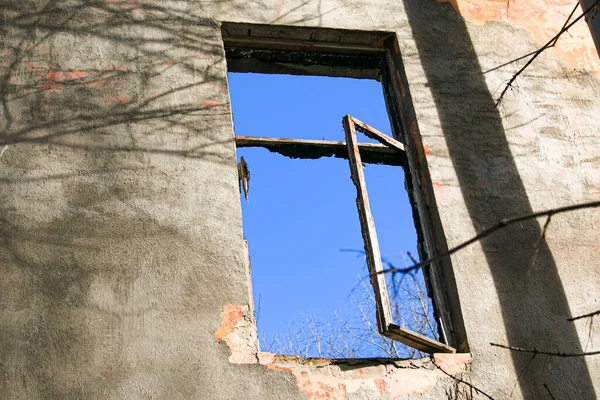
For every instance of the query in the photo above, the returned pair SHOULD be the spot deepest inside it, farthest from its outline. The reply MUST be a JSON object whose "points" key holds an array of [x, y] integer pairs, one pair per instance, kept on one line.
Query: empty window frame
{"points": [[258, 48], [390, 151]]}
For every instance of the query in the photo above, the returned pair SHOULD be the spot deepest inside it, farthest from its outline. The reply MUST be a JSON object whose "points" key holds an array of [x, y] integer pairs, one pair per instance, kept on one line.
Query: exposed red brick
{"points": [[317, 390], [275, 368], [231, 315], [322, 379], [122, 99], [209, 103], [427, 152], [266, 358], [452, 363], [382, 386], [62, 76]]}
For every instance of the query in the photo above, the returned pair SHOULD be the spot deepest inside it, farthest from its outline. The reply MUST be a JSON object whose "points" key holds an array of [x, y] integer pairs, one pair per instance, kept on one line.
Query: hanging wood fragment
{"points": [[244, 176]]}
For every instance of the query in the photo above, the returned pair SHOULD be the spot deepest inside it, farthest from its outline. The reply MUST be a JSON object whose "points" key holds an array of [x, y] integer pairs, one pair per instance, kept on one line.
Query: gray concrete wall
{"points": [[121, 251]]}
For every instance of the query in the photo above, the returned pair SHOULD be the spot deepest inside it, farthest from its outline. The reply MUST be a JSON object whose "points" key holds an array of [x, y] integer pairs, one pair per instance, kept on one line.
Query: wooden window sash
{"points": [[383, 310]]}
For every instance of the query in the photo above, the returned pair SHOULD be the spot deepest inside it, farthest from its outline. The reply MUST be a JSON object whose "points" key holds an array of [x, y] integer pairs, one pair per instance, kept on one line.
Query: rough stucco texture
{"points": [[120, 225]]}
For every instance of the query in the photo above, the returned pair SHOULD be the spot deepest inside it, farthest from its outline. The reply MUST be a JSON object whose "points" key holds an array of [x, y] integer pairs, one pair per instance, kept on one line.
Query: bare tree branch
{"points": [[486, 232], [522, 373], [550, 43], [589, 315], [462, 381], [547, 353], [257, 310], [535, 51]]}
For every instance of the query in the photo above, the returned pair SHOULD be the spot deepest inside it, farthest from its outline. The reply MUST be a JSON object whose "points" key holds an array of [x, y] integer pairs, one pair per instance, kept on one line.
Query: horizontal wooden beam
{"points": [[250, 42], [370, 153], [416, 340]]}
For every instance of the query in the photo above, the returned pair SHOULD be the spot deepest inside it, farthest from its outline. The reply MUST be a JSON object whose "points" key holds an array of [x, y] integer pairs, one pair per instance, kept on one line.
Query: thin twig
{"points": [[522, 373], [590, 333], [486, 232], [412, 258], [547, 353], [549, 392], [589, 315], [542, 237], [510, 62], [463, 381], [257, 310], [550, 43]]}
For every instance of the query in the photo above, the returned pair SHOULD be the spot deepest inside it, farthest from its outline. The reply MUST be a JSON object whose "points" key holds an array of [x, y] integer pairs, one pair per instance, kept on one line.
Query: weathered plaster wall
{"points": [[320, 378], [121, 242], [540, 19]]}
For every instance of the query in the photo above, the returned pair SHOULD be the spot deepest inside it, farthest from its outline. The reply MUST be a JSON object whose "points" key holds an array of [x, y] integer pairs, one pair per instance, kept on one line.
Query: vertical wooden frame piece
{"points": [[383, 311]]}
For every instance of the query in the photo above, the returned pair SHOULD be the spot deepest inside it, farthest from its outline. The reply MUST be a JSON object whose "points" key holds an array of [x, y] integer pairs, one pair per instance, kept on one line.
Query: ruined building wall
{"points": [[121, 250]]}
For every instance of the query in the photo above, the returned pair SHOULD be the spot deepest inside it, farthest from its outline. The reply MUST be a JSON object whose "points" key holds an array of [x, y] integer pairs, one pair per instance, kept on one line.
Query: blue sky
{"points": [[301, 214]]}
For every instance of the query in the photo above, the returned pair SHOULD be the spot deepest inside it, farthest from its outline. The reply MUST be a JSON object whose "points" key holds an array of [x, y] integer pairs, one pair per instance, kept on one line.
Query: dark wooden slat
{"points": [[370, 153], [376, 135], [250, 42], [416, 340]]}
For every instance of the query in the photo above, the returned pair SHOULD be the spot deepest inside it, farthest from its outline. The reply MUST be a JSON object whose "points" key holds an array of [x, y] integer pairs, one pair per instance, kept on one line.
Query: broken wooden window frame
{"points": [[294, 50], [383, 310]]}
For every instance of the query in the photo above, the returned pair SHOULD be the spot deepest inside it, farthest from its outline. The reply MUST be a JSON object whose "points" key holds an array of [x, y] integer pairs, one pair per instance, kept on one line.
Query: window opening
{"points": [[381, 149]]}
